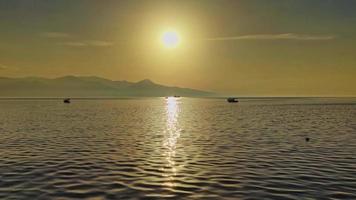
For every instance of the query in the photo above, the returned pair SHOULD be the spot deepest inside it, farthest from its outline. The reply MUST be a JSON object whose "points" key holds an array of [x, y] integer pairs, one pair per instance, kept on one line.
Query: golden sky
{"points": [[240, 47]]}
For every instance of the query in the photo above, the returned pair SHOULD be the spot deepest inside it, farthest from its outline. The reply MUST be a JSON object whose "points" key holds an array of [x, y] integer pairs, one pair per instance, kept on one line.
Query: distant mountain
{"points": [[88, 86]]}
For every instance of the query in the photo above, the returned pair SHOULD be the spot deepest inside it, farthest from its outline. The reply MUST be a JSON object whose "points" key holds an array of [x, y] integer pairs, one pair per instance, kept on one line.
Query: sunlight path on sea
{"points": [[171, 137]]}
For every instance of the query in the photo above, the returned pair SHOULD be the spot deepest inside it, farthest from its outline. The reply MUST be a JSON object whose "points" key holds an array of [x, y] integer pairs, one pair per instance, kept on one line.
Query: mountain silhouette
{"points": [[89, 86]]}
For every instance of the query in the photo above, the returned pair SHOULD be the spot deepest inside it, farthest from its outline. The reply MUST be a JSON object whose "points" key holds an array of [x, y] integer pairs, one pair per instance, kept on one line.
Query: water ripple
{"points": [[177, 148]]}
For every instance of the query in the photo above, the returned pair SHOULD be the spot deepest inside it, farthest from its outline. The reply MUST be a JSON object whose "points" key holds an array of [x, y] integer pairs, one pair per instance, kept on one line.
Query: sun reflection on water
{"points": [[172, 134]]}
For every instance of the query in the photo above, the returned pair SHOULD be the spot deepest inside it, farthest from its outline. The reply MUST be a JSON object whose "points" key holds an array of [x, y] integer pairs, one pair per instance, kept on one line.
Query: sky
{"points": [[237, 47]]}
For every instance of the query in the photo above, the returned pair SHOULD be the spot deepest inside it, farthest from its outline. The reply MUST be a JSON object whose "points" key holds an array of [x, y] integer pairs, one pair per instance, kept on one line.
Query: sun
{"points": [[170, 39]]}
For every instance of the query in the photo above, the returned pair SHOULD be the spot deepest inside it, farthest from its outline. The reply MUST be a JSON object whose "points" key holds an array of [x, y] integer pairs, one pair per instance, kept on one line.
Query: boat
{"points": [[66, 100], [232, 100], [175, 96]]}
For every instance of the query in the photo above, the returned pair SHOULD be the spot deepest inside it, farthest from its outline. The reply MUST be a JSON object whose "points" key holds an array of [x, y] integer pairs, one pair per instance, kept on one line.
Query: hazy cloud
{"points": [[99, 43], [3, 67], [55, 35], [73, 44], [69, 40], [91, 43], [284, 36]]}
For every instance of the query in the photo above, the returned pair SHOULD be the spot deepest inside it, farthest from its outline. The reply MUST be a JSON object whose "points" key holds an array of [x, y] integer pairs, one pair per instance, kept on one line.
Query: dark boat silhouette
{"points": [[175, 96], [232, 100], [67, 100]]}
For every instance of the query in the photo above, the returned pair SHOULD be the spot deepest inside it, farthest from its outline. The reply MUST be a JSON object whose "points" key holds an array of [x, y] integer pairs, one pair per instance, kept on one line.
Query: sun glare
{"points": [[170, 39]]}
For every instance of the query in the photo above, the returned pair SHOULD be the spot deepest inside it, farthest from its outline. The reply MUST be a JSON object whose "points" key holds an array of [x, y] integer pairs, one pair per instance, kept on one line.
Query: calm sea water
{"points": [[178, 148]]}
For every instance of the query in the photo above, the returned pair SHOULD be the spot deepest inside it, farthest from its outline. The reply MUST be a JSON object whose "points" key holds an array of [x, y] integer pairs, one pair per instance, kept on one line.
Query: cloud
{"points": [[6, 67], [55, 35], [73, 44], [284, 36], [66, 39], [91, 43], [3, 67], [99, 43]]}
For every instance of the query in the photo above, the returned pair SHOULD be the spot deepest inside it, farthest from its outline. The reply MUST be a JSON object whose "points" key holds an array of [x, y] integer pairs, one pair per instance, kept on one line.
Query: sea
{"points": [[178, 148]]}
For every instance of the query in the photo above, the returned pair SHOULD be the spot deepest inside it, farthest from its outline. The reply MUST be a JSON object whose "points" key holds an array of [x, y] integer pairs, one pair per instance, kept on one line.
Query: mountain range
{"points": [[89, 86]]}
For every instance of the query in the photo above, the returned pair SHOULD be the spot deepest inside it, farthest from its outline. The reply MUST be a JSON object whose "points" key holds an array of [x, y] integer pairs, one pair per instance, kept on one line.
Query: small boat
{"points": [[232, 100], [175, 96], [67, 100]]}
